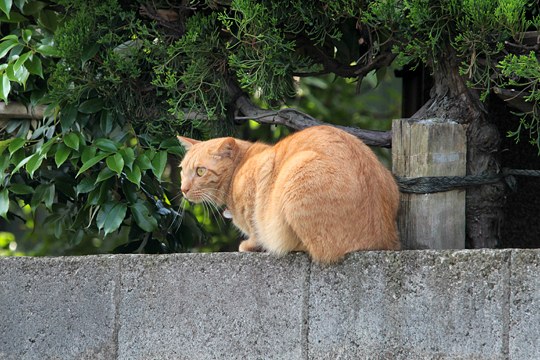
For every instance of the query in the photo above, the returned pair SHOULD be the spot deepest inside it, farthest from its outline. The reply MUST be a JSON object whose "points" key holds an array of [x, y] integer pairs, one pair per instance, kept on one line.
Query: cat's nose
{"points": [[184, 189]]}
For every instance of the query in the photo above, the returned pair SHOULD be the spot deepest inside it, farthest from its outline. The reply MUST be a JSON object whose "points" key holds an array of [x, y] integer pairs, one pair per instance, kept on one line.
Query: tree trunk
{"points": [[452, 99]]}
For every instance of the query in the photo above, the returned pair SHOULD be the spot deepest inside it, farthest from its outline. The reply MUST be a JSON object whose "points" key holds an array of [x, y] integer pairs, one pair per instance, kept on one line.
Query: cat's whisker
{"points": [[215, 198], [209, 201], [178, 214], [214, 210], [175, 197], [206, 212]]}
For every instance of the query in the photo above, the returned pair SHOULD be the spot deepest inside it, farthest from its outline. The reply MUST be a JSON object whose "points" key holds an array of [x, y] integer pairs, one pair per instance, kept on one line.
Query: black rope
{"points": [[433, 184]]}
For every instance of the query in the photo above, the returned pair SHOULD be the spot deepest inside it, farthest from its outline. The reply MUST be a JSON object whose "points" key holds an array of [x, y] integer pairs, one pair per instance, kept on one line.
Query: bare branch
{"points": [[383, 59], [297, 120]]}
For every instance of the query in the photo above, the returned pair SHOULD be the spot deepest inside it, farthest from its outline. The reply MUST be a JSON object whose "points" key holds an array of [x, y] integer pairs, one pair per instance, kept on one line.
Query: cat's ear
{"points": [[226, 148], [187, 143]]}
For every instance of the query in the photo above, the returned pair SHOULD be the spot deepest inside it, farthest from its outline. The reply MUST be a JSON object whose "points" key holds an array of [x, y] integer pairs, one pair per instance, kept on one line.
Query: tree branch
{"points": [[297, 120], [330, 64]]}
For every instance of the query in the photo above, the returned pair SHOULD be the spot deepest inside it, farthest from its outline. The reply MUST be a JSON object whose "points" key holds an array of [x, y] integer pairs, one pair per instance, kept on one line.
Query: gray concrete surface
{"points": [[213, 306], [481, 304], [524, 303], [58, 308], [401, 306]]}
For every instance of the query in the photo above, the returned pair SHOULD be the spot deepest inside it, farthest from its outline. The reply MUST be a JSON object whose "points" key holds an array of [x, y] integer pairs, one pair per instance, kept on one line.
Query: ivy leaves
{"points": [[84, 167], [113, 178], [23, 49], [5, 6], [4, 203], [110, 216]]}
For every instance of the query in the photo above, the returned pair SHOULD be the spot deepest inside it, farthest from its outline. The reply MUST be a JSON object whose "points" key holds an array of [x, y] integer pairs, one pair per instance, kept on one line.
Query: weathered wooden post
{"points": [[433, 147]]}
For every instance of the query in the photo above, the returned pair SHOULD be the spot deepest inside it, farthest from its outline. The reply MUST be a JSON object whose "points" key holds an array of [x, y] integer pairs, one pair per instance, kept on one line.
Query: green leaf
{"points": [[134, 175], [105, 174], [143, 162], [167, 143], [130, 191], [44, 193], [19, 75], [158, 164], [48, 145], [177, 150], [4, 203], [110, 216], [15, 145], [128, 154], [20, 189], [11, 37], [21, 60], [5, 88], [62, 153], [72, 141], [34, 66], [68, 116], [106, 121], [49, 19], [143, 217], [11, 73], [4, 144], [14, 18], [21, 163], [89, 52], [116, 163], [49, 196], [88, 153], [17, 157], [7, 45], [87, 184], [33, 7], [4, 163], [26, 35], [22, 75], [34, 163], [106, 145], [91, 106], [47, 50], [93, 161], [99, 196], [5, 6]]}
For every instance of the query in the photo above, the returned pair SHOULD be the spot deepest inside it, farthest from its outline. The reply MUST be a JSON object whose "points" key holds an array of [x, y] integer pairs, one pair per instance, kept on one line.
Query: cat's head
{"points": [[207, 169]]}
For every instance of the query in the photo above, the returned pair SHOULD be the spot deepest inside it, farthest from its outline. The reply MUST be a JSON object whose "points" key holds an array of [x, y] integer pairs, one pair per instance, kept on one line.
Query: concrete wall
{"points": [[482, 304]]}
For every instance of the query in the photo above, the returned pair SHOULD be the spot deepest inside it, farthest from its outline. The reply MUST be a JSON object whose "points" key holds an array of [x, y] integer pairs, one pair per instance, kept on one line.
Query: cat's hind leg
{"points": [[250, 245]]}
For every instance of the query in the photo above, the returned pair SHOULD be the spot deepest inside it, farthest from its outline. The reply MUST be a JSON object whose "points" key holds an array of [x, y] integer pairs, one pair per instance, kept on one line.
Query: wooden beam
{"points": [[430, 148], [20, 111]]}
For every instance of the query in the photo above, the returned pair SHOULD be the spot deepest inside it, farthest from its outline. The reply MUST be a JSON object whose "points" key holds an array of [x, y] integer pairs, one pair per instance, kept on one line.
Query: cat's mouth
{"points": [[192, 199]]}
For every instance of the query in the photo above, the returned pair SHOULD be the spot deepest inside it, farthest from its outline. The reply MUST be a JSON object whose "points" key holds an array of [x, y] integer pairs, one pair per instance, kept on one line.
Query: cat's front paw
{"points": [[249, 245]]}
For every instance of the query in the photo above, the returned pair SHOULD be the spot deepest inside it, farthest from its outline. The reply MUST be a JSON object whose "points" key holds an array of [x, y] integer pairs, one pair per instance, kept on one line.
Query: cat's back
{"points": [[324, 157], [327, 142]]}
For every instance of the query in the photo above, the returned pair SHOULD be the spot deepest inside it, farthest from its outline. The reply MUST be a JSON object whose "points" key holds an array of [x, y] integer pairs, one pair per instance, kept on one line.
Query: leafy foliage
{"points": [[523, 73], [86, 164], [485, 37]]}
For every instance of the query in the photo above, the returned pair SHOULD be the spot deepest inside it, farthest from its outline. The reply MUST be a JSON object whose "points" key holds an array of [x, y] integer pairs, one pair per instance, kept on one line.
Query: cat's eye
{"points": [[200, 171]]}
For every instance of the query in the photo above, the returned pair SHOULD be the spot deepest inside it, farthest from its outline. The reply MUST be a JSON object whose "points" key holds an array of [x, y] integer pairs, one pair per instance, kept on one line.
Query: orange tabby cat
{"points": [[320, 190]]}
